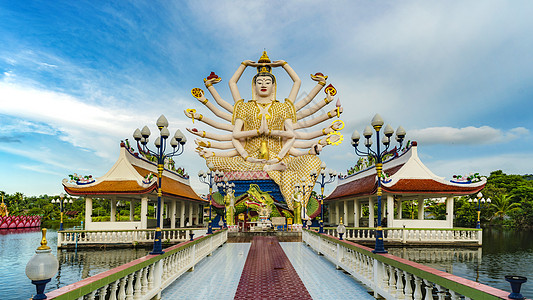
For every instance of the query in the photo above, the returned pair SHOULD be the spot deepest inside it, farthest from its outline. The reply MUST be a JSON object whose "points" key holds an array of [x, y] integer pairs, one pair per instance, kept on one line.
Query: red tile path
{"points": [[268, 273]]}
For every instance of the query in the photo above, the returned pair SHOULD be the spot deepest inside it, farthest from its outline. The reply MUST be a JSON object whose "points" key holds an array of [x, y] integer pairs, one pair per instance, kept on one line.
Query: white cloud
{"points": [[510, 163], [466, 136]]}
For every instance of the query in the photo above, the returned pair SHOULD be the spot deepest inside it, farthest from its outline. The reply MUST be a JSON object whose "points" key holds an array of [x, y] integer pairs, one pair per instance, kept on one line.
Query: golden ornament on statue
{"points": [[197, 92]]}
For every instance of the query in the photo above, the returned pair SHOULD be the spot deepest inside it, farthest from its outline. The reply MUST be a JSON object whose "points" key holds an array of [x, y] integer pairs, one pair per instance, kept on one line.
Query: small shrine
{"points": [[132, 179], [266, 147], [405, 178]]}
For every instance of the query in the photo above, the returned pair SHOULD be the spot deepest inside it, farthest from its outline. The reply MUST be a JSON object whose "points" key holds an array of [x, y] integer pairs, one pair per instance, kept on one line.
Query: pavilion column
{"points": [[390, 211], [356, 212], [182, 214], [399, 215], [420, 208], [370, 212], [200, 214], [345, 211], [449, 211], [337, 214], [132, 210], [113, 209], [191, 221], [144, 212], [173, 214], [88, 213]]}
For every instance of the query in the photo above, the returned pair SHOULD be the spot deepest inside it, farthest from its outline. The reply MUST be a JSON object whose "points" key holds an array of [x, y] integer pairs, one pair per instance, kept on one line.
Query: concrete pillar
{"points": [[182, 214], [144, 212], [190, 214], [173, 214], [356, 212], [337, 214], [113, 209], [449, 212], [370, 212], [390, 211], [420, 208], [399, 215], [88, 212], [132, 210], [345, 211]]}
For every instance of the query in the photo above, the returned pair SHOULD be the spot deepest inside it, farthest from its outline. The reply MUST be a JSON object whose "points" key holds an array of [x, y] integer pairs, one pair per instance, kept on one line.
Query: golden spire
{"points": [[43, 242], [264, 58]]}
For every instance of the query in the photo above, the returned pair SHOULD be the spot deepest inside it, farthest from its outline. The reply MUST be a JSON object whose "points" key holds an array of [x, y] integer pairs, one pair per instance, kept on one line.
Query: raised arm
{"points": [[321, 82], [200, 117], [199, 95], [311, 110], [297, 82], [216, 145], [236, 76], [336, 125], [310, 123], [209, 82], [206, 153], [213, 136]]}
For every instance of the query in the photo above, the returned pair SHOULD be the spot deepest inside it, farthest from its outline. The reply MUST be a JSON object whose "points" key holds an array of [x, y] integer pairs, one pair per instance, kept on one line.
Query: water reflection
{"points": [[504, 252]]}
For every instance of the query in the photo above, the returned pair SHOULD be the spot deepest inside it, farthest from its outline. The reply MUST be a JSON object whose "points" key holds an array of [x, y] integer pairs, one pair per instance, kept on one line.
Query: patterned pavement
{"points": [[214, 277], [320, 277], [268, 273]]}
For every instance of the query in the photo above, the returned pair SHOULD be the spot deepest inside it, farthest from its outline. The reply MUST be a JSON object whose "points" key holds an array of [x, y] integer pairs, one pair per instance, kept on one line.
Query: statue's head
{"points": [[264, 82]]}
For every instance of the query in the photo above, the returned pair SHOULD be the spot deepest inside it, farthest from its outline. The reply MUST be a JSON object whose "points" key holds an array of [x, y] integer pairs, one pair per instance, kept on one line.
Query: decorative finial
{"points": [[264, 58], [341, 220], [43, 241]]}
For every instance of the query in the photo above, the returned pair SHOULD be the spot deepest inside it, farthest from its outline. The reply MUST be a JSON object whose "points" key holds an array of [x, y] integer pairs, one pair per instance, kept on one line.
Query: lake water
{"points": [[504, 252]]}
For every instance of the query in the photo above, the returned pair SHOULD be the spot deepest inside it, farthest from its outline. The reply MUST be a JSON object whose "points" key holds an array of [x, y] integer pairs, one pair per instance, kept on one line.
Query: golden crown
{"points": [[264, 60]]}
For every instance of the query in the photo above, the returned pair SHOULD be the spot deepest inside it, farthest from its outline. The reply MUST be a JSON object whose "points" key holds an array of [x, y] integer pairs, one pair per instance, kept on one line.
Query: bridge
{"points": [[267, 266]]}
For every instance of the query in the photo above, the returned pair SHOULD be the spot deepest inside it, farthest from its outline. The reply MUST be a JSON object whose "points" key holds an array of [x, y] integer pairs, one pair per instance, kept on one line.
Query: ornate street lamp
{"points": [[62, 203], [377, 124], [341, 230], [479, 200], [322, 181], [42, 267], [227, 187], [303, 188], [177, 142], [209, 179]]}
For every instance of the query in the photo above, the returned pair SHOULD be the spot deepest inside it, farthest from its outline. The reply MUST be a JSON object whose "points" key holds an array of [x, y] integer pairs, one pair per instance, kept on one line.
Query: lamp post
{"points": [[377, 124], [209, 179], [322, 181], [303, 188], [62, 203], [479, 199], [341, 230], [42, 267], [177, 142], [227, 187]]}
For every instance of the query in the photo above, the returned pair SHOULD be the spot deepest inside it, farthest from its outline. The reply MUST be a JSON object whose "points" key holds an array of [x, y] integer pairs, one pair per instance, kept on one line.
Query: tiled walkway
{"points": [[268, 273], [218, 276], [215, 277], [320, 277]]}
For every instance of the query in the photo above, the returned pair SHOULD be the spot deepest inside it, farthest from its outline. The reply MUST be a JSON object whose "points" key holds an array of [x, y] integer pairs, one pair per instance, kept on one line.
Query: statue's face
{"points": [[264, 86]]}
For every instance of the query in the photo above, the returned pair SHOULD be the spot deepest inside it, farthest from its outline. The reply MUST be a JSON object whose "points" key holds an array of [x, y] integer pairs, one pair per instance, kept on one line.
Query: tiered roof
{"points": [[406, 175], [130, 175]]}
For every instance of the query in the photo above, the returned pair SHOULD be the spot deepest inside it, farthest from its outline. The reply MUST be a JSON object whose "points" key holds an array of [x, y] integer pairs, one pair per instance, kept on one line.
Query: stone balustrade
{"points": [[413, 235], [146, 277], [393, 277], [68, 238]]}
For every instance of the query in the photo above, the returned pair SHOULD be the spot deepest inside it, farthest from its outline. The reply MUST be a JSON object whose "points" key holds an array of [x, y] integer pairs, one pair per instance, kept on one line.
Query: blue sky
{"points": [[76, 77]]}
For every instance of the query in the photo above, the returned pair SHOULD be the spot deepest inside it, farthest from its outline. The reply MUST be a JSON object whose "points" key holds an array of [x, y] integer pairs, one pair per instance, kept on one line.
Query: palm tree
{"points": [[503, 205]]}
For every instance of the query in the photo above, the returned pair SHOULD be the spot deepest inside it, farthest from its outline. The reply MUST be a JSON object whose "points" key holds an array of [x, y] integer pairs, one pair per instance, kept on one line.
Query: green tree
{"points": [[503, 205]]}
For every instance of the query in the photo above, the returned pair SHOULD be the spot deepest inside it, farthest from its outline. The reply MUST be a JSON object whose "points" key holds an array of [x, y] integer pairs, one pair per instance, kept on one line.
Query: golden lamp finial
{"points": [[43, 241], [264, 58]]}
